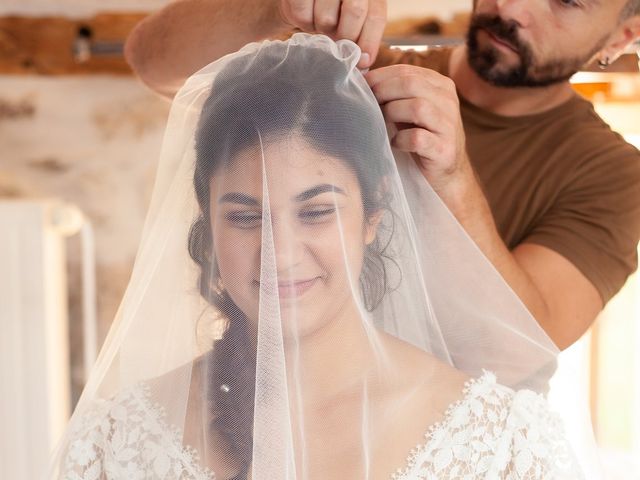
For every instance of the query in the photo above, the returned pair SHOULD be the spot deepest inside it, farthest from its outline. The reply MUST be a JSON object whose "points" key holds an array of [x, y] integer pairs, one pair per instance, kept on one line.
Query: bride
{"points": [[304, 307]]}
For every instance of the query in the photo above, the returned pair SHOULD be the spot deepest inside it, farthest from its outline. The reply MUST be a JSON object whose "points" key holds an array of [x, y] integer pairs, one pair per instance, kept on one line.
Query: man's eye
{"points": [[316, 214], [570, 3], [244, 219]]}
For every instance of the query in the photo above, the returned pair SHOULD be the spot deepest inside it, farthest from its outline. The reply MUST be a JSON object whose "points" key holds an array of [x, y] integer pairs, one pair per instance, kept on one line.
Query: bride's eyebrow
{"points": [[241, 198], [317, 190]]}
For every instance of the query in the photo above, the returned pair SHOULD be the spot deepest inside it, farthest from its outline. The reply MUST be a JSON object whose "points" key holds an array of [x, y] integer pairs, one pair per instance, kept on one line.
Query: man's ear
{"points": [[626, 33]]}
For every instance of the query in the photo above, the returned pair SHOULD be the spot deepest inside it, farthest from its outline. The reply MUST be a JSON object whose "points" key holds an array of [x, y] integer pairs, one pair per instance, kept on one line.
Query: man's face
{"points": [[527, 43]]}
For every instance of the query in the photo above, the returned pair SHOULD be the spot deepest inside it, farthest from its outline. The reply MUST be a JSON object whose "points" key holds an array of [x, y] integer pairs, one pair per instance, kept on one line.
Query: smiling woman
{"points": [[263, 138], [352, 318]]}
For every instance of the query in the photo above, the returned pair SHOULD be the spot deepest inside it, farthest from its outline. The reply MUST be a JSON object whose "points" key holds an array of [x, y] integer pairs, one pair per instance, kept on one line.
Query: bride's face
{"points": [[303, 235]]}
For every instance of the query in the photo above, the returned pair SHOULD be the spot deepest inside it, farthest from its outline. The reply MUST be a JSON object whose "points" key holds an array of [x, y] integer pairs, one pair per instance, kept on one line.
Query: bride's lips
{"points": [[294, 288]]}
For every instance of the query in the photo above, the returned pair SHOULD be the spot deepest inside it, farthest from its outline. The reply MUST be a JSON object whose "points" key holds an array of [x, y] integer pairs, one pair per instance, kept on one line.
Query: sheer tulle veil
{"points": [[302, 305]]}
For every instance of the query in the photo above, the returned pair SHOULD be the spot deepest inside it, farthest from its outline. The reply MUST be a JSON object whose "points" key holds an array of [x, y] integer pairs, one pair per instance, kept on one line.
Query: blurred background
{"points": [[79, 140]]}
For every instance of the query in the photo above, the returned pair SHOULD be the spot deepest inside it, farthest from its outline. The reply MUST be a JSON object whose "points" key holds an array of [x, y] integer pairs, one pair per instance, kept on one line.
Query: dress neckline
{"points": [[191, 459], [468, 393]]}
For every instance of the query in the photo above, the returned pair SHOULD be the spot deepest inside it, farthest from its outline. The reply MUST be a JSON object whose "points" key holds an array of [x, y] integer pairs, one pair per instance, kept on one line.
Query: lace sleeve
{"points": [[82, 458], [127, 437], [536, 441], [494, 433]]}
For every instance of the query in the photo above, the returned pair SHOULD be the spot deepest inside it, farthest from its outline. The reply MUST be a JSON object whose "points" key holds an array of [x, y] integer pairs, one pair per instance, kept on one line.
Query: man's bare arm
{"points": [[173, 43], [563, 301], [168, 46]]}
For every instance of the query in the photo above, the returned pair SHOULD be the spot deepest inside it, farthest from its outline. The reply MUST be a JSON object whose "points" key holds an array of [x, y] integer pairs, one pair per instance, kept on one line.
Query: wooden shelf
{"points": [[64, 46]]}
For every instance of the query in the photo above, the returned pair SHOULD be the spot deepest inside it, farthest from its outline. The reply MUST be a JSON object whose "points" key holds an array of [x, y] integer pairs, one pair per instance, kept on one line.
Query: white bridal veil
{"points": [[303, 305]]}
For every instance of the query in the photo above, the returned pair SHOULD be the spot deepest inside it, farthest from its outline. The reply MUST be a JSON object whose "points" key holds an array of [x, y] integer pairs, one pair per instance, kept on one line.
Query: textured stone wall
{"points": [[94, 142]]}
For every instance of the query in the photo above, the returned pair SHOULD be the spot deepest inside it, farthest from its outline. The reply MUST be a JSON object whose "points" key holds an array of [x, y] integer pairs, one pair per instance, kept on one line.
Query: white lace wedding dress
{"points": [[492, 432]]}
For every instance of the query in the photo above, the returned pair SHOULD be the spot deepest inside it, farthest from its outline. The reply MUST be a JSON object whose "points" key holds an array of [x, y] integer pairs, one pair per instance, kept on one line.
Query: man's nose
{"points": [[519, 12]]}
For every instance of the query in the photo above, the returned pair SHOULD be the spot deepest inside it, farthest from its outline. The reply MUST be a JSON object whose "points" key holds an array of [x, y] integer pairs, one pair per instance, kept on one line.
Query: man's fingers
{"points": [[415, 140], [426, 145], [412, 78], [298, 13], [353, 14], [326, 14], [408, 86], [416, 111], [361, 21], [372, 31]]}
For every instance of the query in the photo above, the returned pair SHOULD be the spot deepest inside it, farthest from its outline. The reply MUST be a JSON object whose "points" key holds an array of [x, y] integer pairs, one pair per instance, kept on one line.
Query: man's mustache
{"points": [[505, 31]]}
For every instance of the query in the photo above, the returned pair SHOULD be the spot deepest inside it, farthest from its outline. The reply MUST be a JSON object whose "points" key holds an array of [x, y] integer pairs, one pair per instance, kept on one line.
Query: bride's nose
{"points": [[288, 246]]}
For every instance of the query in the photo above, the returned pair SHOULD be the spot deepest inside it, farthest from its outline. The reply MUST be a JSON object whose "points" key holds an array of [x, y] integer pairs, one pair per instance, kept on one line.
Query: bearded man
{"points": [[546, 189]]}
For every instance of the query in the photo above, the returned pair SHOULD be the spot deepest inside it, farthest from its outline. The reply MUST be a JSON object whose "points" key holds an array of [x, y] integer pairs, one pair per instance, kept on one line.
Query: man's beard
{"points": [[485, 60]]}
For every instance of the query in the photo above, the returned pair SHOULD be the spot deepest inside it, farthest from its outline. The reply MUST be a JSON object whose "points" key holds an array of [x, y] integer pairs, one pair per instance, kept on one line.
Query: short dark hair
{"points": [[631, 8]]}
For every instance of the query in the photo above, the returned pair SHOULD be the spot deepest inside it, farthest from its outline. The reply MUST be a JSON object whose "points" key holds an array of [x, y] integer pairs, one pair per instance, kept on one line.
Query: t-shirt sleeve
{"points": [[595, 221]]}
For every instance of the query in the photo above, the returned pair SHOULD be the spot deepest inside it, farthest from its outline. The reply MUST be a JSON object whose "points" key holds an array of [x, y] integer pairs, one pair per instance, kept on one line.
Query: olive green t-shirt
{"points": [[562, 179]]}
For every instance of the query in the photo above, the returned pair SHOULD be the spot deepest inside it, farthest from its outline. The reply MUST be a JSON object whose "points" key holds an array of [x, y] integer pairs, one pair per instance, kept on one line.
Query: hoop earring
{"points": [[603, 63]]}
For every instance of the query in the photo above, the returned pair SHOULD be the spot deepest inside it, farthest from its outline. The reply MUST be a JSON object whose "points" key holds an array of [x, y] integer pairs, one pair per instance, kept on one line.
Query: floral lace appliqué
{"points": [[128, 437], [492, 433]]}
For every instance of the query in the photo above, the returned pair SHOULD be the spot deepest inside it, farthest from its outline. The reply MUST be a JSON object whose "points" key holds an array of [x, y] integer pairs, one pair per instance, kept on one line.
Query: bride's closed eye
{"points": [[244, 218], [317, 214]]}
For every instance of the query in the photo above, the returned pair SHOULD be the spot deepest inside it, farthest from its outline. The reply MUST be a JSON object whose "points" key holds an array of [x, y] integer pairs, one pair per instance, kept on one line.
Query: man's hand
{"points": [[361, 21], [424, 107], [213, 28]]}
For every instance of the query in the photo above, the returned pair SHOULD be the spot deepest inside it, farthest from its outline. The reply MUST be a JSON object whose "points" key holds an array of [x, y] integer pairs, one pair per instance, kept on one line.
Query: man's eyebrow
{"points": [[241, 198], [317, 190]]}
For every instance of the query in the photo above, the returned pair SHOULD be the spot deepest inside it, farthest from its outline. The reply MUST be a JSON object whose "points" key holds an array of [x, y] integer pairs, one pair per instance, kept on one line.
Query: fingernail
{"points": [[365, 59]]}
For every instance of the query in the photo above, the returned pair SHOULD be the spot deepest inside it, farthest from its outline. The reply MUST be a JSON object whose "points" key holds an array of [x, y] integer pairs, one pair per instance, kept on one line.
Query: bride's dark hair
{"points": [[283, 90]]}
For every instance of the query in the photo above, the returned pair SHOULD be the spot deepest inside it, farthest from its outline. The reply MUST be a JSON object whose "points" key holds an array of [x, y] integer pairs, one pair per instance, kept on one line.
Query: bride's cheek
{"points": [[238, 257], [334, 254]]}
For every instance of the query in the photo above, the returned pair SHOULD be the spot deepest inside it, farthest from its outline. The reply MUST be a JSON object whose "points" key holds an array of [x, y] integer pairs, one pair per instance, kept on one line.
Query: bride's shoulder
{"points": [[513, 408], [119, 412], [141, 404], [518, 406], [494, 431], [130, 435], [530, 438]]}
